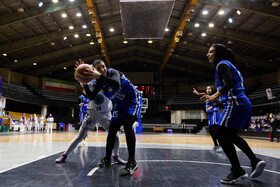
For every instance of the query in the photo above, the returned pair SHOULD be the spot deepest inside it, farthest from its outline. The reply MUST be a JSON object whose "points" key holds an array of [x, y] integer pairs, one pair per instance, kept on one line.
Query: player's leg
{"points": [[225, 137], [131, 164], [88, 121]]}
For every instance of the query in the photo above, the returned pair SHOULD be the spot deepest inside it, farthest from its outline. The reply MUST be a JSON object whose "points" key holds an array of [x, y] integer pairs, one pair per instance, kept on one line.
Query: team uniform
{"points": [[22, 123], [83, 109], [237, 107], [213, 114], [127, 99], [50, 121], [213, 118]]}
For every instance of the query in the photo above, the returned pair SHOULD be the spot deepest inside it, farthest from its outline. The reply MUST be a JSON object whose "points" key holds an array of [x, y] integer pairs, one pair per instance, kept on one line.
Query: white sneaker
{"points": [[219, 149]]}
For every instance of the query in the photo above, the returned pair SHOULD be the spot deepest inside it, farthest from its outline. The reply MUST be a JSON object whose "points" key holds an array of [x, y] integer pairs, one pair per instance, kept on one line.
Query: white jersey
{"points": [[42, 119], [50, 119], [101, 103]]}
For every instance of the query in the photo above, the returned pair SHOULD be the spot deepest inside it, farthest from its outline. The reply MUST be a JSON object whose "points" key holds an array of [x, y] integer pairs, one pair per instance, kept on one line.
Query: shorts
{"points": [[121, 111], [236, 116], [94, 118]]}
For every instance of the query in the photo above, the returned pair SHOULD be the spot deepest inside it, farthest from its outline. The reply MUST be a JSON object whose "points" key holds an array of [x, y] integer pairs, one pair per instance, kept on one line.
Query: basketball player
{"points": [[42, 120], [22, 122], [83, 106], [212, 110], [98, 112], [236, 114], [128, 102], [50, 121]]}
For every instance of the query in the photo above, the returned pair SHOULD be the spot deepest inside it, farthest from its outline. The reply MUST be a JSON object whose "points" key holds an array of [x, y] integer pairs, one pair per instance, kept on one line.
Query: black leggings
{"points": [[129, 134], [227, 138], [213, 133]]}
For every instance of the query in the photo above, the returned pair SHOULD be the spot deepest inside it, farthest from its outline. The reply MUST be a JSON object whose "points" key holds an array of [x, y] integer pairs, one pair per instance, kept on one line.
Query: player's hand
{"points": [[94, 74], [195, 92], [210, 108], [79, 62]]}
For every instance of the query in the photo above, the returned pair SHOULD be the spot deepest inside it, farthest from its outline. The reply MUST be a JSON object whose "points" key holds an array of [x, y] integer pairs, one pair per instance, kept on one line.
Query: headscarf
{"points": [[223, 53]]}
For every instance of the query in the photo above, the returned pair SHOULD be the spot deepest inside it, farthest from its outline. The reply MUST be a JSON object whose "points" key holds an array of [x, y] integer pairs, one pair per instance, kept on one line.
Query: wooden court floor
{"points": [[159, 138]]}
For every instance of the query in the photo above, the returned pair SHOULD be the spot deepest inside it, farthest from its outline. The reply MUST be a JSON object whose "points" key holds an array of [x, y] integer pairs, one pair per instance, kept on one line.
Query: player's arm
{"points": [[226, 76], [92, 93], [113, 79]]}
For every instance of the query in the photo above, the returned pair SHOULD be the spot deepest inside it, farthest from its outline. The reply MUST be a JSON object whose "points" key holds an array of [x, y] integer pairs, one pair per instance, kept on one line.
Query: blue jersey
{"points": [[236, 94], [237, 111], [85, 105], [213, 114], [127, 98]]}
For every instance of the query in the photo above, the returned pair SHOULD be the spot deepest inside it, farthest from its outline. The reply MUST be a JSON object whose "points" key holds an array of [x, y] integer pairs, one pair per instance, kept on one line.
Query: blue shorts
{"points": [[122, 110], [213, 118], [236, 116]]}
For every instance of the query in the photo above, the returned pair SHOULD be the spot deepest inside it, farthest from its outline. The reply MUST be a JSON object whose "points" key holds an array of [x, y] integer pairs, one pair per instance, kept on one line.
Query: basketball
{"points": [[80, 73]]}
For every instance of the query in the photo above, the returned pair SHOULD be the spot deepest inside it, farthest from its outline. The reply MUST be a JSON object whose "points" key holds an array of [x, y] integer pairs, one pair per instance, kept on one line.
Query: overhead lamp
{"points": [[150, 41], [65, 38], [71, 27], [88, 35], [238, 12], [20, 9], [52, 44], [71, 0], [78, 14], [203, 34], [125, 41], [64, 15], [221, 12], [230, 20], [40, 4], [5, 54], [84, 26], [15, 60], [34, 64], [211, 25], [55, 1], [205, 12], [196, 25], [229, 42], [112, 29], [166, 29], [76, 36], [91, 43], [64, 67]]}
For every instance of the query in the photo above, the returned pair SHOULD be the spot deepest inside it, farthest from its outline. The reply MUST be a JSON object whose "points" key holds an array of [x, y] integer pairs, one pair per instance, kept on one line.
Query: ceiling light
{"points": [[203, 34], [64, 15], [65, 38], [88, 35], [84, 26], [91, 43], [230, 20], [196, 25], [20, 9], [166, 29], [64, 67], [205, 12], [5, 54], [34, 64], [15, 60], [229, 42], [52, 43], [150, 41], [112, 29], [221, 12], [238, 12], [55, 1], [40, 4], [78, 14], [71, 27], [76, 36], [274, 4], [71, 0], [125, 41], [211, 25]]}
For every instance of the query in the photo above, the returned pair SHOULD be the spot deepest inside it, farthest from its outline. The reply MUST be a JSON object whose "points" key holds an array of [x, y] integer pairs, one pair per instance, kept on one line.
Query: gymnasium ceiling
{"points": [[37, 40]]}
